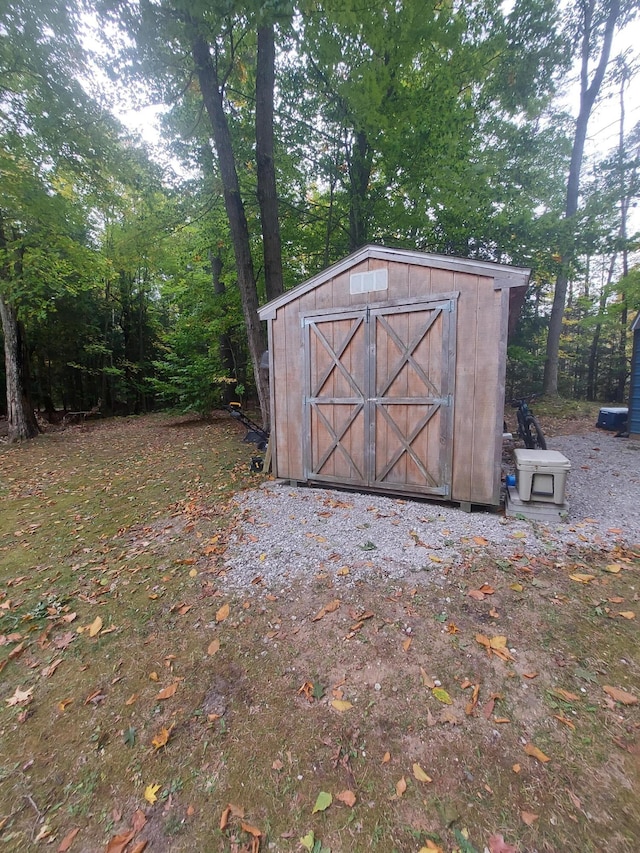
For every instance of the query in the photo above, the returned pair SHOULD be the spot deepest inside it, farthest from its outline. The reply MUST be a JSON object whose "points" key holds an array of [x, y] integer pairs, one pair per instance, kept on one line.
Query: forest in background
{"points": [[293, 134]]}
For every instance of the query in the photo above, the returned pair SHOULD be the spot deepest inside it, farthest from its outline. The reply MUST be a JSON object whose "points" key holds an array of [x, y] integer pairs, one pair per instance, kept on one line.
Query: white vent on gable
{"points": [[366, 282]]}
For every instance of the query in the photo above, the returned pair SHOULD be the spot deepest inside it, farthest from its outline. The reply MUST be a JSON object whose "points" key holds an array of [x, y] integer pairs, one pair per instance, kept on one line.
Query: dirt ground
{"points": [[144, 708]]}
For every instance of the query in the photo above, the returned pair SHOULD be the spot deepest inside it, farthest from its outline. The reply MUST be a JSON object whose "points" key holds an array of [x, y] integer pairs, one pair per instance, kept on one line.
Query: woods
{"points": [[292, 134]]}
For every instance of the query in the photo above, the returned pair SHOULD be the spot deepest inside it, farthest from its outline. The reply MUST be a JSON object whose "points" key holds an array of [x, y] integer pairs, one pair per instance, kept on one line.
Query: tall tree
{"points": [[598, 21]]}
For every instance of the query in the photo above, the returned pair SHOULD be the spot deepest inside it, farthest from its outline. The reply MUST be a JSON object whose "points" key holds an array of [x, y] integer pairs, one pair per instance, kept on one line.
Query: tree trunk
{"points": [[359, 176], [20, 414], [212, 96], [225, 348], [267, 192], [588, 95]]}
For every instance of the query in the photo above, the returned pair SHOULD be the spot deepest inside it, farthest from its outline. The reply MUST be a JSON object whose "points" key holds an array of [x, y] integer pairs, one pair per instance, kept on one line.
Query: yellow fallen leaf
{"points": [[95, 627], [153, 676], [613, 568], [406, 644], [252, 830], [193, 573], [516, 768], [442, 696], [516, 587], [420, 775], [222, 613], [534, 752], [162, 738], [529, 817], [343, 572], [63, 704], [150, 793], [431, 847], [213, 647], [480, 540], [620, 695], [582, 578], [401, 786], [341, 705], [386, 758], [627, 614]]}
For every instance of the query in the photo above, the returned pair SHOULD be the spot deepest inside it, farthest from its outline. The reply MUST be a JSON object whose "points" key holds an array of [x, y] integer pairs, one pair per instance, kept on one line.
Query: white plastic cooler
{"points": [[541, 475]]}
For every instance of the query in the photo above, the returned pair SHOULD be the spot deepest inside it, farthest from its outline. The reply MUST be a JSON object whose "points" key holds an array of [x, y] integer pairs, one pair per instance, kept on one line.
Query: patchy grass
{"points": [[126, 671]]}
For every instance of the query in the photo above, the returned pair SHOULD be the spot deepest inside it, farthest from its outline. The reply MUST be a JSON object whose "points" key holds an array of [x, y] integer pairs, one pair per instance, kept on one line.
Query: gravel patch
{"points": [[288, 533]]}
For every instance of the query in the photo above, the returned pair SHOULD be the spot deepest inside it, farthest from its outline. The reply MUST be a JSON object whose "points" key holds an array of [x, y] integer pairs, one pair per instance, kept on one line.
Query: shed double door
{"points": [[378, 407]]}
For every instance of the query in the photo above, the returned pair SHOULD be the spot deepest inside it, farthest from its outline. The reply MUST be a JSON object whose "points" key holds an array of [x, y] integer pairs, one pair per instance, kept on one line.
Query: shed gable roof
{"points": [[503, 275]]}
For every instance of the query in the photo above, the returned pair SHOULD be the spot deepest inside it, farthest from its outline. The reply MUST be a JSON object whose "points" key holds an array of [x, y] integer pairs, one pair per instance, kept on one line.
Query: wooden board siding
{"points": [[342, 432]]}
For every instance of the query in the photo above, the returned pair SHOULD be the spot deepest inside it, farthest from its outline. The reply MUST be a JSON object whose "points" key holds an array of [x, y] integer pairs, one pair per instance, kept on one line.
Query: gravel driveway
{"points": [[288, 533]]}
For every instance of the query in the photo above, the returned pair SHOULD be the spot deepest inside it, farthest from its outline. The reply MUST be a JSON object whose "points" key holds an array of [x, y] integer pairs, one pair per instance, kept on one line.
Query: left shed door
{"points": [[334, 422]]}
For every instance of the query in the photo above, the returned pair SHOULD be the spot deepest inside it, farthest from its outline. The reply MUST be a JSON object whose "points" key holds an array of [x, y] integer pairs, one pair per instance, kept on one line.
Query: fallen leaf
{"points": [[119, 842], [582, 578], [20, 697], [386, 758], [133, 698], [139, 820], [565, 694], [564, 720], [63, 704], [442, 696], [150, 793], [406, 644], [341, 705], [620, 695], [497, 844], [95, 627], [530, 674], [252, 830], [431, 847], [516, 587], [401, 787], [476, 594], [426, 679], [529, 817], [162, 738], [222, 613], [139, 846], [323, 801], [516, 768], [576, 802], [534, 752], [627, 614], [308, 841], [67, 841], [480, 540], [347, 797], [328, 608], [613, 568], [153, 676], [420, 775], [168, 692]]}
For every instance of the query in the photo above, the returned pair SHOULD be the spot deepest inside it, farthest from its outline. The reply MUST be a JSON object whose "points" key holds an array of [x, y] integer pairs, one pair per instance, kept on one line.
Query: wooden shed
{"points": [[387, 374]]}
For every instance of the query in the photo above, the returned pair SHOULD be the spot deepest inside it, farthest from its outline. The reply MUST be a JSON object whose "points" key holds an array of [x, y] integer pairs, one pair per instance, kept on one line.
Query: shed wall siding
{"points": [[634, 393], [479, 379]]}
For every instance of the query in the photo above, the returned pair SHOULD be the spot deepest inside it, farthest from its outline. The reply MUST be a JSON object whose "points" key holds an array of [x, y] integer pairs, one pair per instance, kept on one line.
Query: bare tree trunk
{"points": [[588, 95], [267, 191], [212, 94], [20, 414], [359, 176]]}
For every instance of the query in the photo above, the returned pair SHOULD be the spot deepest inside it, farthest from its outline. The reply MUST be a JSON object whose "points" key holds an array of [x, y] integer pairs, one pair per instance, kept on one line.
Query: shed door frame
{"points": [[368, 404]]}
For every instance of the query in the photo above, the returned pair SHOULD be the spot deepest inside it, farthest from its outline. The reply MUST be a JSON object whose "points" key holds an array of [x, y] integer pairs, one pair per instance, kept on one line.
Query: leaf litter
{"points": [[253, 688]]}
